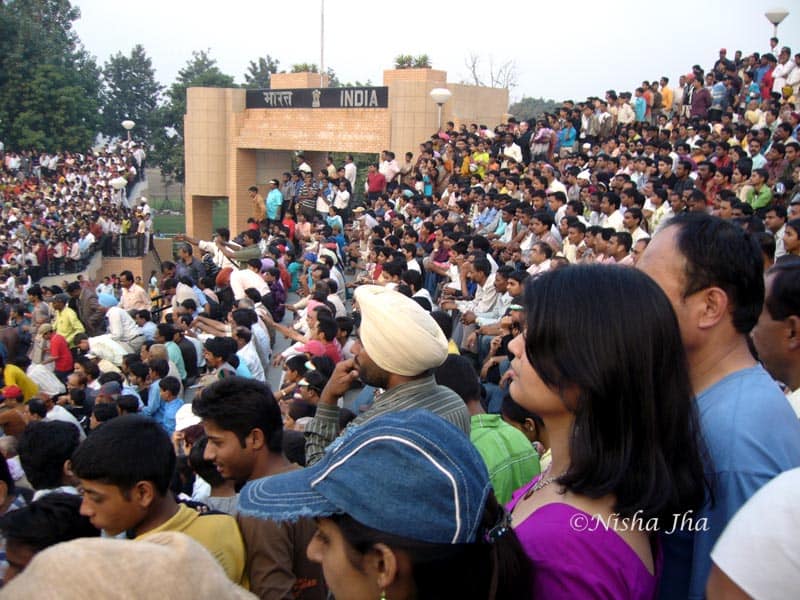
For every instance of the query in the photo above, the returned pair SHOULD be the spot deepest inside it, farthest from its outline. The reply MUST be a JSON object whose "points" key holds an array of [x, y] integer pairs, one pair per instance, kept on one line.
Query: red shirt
{"points": [[59, 349], [288, 222], [317, 348], [376, 182]]}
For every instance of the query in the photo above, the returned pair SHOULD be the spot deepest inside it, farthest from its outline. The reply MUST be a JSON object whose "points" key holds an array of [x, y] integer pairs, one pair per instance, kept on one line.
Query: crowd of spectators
{"points": [[59, 208], [555, 358]]}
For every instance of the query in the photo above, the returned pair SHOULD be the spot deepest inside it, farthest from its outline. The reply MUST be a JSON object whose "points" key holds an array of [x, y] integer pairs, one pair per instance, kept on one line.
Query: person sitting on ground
{"points": [[170, 389]]}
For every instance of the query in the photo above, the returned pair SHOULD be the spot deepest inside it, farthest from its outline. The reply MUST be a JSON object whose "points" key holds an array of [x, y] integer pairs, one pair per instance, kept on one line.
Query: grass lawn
{"points": [[172, 224]]}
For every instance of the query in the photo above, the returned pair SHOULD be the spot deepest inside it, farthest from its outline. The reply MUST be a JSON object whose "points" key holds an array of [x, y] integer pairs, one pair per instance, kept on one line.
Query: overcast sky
{"points": [[567, 49]]}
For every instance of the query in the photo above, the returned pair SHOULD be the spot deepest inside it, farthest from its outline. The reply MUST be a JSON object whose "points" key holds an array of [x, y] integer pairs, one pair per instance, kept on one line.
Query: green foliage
{"points": [[403, 61], [529, 108], [258, 73], [130, 91], [422, 61], [49, 85], [333, 79], [200, 71], [305, 68], [407, 61]]}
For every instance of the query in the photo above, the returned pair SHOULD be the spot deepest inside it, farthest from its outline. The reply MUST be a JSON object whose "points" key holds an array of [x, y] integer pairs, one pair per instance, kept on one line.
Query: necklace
{"points": [[543, 482]]}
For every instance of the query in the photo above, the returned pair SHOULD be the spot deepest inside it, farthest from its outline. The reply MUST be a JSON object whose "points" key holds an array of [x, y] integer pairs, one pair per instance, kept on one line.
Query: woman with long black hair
{"points": [[601, 361]]}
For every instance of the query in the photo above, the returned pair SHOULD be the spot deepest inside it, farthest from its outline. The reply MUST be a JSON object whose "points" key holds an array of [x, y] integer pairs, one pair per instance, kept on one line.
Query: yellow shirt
{"points": [[13, 375], [219, 534], [666, 98], [68, 324]]}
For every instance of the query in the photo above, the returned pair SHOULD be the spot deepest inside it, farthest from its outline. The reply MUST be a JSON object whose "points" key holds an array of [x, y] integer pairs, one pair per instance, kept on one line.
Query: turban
{"points": [[224, 277], [397, 333]]}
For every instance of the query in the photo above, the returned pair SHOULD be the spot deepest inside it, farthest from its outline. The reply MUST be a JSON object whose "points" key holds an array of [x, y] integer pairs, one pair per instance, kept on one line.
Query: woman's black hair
{"points": [[636, 432], [492, 570]]}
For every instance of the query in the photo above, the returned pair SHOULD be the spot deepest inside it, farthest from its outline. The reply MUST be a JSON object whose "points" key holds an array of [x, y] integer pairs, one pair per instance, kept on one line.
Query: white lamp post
{"points": [[775, 16], [119, 184], [440, 96], [127, 124]]}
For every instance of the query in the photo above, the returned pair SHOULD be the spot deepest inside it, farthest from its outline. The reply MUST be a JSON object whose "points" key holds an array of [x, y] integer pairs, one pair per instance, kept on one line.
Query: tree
{"points": [[529, 108], [130, 91], [406, 61], [258, 73], [305, 68], [503, 75], [403, 61], [333, 79], [49, 85], [200, 71], [422, 61]]}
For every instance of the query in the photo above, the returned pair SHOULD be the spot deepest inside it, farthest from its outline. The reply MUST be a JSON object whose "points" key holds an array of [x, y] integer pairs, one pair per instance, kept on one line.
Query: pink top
{"points": [[575, 556]]}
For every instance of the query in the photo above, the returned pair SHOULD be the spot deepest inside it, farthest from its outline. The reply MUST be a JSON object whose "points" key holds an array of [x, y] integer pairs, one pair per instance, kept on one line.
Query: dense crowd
{"points": [[552, 359], [59, 208]]}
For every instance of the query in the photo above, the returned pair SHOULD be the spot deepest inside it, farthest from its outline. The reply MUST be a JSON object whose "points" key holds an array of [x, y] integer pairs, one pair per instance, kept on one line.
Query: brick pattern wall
{"points": [[320, 129], [222, 137]]}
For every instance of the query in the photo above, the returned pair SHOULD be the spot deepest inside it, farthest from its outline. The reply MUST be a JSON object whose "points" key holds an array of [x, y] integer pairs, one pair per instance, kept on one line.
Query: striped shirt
{"points": [[510, 458], [422, 393]]}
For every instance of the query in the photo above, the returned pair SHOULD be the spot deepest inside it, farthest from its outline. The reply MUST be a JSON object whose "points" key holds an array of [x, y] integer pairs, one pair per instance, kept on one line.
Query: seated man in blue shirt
{"points": [[170, 389]]}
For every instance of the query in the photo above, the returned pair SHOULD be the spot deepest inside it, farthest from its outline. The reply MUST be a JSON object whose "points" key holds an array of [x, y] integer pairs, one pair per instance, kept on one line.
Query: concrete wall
{"points": [[229, 148]]}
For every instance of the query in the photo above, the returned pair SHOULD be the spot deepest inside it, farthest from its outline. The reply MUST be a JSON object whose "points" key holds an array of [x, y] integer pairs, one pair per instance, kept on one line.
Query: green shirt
{"points": [[509, 456], [759, 198], [246, 253]]}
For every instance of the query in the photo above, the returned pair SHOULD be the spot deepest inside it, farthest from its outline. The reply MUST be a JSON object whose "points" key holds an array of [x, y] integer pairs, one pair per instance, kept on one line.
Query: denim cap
{"points": [[410, 474]]}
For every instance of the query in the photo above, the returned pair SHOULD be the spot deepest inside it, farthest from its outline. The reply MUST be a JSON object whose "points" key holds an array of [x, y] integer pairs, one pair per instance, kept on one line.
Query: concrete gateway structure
{"points": [[236, 138]]}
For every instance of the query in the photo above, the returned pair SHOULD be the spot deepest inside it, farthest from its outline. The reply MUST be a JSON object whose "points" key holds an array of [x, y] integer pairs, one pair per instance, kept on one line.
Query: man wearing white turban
{"points": [[398, 345]]}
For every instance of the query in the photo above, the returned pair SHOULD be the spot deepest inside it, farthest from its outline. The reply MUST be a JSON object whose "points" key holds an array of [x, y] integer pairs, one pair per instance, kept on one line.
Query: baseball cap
{"points": [[439, 498], [310, 256]]}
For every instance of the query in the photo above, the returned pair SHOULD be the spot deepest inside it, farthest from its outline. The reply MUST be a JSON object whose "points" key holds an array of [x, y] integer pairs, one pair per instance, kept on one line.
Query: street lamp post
{"points": [[127, 124], [775, 16], [440, 96]]}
